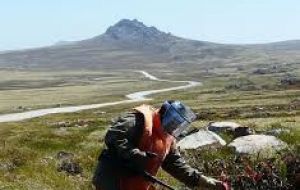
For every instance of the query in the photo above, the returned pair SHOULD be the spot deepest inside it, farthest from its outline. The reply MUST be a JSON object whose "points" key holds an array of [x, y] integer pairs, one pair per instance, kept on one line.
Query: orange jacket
{"points": [[154, 140]]}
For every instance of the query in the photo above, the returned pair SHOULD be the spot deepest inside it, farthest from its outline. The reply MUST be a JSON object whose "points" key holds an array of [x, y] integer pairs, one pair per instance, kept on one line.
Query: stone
{"points": [[67, 163], [242, 131], [222, 126], [225, 126], [7, 166], [277, 132], [257, 144], [62, 124], [290, 80], [200, 139], [69, 166], [64, 155], [295, 104]]}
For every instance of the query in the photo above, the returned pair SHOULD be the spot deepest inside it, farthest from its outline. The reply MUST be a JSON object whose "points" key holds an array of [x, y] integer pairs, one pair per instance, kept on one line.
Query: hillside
{"points": [[131, 44]]}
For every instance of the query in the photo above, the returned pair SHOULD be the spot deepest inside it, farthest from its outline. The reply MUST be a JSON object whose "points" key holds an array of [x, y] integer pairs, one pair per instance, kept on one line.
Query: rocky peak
{"points": [[127, 29]]}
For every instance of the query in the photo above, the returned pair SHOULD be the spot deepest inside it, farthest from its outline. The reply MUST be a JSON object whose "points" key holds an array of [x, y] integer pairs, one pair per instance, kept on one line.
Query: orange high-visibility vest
{"points": [[154, 140]]}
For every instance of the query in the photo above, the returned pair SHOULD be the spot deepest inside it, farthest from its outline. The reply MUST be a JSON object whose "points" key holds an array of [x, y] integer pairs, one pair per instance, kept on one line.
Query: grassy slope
{"points": [[30, 146]]}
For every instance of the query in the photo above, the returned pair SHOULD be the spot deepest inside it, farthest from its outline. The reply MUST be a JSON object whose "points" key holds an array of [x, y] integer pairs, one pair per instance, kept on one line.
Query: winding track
{"points": [[134, 97]]}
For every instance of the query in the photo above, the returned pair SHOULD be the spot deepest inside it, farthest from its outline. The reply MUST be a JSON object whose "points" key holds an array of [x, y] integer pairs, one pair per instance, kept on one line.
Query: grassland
{"points": [[28, 149], [26, 90]]}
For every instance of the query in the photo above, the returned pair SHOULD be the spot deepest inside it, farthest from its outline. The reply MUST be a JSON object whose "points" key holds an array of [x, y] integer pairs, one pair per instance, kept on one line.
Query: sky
{"points": [[37, 23]]}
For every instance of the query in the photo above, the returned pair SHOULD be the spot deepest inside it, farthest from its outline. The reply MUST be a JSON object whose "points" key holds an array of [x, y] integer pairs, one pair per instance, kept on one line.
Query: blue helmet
{"points": [[176, 117]]}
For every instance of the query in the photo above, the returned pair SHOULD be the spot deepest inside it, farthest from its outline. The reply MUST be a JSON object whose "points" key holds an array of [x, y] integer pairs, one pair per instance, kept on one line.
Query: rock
{"points": [[81, 123], [67, 163], [200, 139], [290, 80], [7, 166], [70, 167], [277, 132], [295, 104], [64, 155], [270, 70], [62, 124], [257, 144], [236, 129], [222, 126], [242, 131], [243, 84], [261, 71]]}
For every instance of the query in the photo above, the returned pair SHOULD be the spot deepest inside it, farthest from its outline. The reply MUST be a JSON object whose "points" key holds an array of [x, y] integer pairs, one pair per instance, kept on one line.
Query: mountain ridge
{"points": [[133, 44]]}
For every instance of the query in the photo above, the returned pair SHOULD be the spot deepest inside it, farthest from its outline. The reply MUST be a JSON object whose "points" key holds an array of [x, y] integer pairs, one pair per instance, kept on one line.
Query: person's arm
{"points": [[122, 138], [175, 165]]}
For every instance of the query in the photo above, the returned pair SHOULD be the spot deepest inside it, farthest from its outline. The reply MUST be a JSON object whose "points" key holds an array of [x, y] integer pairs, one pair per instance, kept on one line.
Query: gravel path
{"points": [[134, 97]]}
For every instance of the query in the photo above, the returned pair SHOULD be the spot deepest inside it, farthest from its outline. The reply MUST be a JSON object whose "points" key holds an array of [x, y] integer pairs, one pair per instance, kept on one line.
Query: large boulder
{"points": [[257, 144], [226, 126], [202, 138]]}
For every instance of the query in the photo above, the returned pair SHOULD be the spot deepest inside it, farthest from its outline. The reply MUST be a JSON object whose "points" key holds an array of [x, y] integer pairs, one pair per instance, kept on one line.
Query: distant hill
{"points": [[131, 44]]}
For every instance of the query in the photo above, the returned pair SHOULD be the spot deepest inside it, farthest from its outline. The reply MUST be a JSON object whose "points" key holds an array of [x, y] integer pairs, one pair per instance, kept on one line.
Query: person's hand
{"points": [[211, 183]]}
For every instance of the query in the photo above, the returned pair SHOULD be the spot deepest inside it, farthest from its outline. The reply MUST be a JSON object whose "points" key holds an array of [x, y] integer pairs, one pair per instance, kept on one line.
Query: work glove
{"points": [[208, 183]]}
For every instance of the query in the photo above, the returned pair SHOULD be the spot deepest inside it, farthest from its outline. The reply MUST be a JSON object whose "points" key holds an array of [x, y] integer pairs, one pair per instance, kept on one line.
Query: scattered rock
{"points": [[257, 144], [70, 167], [270, 70], [67, 163], [77, 123], [277, 132], [62, 124], [243, 84], [64, 155], [290, 80], [199, 139], [295, 104], [262, 71], [7, 166], [222, 126], [23, 108], [46, 160], [236, 129]]}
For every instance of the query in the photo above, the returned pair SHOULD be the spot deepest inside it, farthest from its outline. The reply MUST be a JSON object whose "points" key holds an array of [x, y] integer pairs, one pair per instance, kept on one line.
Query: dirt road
{"points": [[134, 97]]}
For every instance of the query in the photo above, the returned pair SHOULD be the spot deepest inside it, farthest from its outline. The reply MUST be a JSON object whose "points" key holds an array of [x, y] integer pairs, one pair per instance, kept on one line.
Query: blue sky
{"points": [[34, 23]]}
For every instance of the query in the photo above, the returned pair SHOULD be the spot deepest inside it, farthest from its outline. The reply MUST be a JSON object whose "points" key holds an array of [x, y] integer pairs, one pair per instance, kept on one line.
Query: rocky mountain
{"points": [[131, 44], [132, 34]]}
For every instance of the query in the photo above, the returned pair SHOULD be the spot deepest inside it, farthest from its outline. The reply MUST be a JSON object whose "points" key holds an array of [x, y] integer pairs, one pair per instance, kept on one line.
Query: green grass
{"points": [[28, 149]]}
